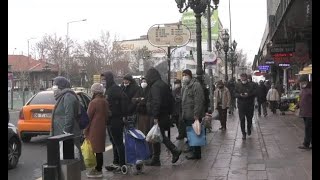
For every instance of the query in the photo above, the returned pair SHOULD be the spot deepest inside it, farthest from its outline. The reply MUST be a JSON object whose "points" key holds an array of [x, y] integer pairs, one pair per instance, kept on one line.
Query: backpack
{"points": [[83, 118]]}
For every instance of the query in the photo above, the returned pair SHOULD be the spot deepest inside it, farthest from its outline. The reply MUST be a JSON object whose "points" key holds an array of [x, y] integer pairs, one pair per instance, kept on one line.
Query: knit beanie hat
{"points": [[188, 72], [97, 88]]}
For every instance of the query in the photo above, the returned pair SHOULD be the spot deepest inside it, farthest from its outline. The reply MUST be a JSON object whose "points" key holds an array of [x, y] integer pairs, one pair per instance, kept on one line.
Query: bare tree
{"points": [[141, 54]]}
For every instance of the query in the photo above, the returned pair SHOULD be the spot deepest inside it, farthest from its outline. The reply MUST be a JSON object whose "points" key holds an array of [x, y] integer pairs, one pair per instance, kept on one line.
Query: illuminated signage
{"points": [[284, 65], [264, 68]]}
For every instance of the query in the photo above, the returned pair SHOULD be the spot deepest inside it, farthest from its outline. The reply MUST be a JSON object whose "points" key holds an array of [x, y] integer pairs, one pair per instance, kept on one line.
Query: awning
{"points": [[306, 70]]}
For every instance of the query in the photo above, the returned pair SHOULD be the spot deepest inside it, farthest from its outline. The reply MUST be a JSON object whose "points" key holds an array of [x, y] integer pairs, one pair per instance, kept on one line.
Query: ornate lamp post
{"points": [[83, 73], [226, 48], [198, 7], [46, 69]]}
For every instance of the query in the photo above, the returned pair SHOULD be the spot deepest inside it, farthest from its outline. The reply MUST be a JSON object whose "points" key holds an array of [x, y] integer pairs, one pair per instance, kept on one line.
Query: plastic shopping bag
{"points": [[154, 135], [215, 115], [88, 154], [206, 121], [194, 139], [196, 127]]}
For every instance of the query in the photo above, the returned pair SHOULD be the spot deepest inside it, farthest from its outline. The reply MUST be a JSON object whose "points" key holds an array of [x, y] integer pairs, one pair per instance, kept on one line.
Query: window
{"points": [[43, 98]]}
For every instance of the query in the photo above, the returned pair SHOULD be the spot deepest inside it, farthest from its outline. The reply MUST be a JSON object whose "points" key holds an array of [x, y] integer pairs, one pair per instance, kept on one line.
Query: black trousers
{"points": [[245, 112], [307, 131], [116, 138], [264, 107], [180, 125], [99, 159], [157, 146]]}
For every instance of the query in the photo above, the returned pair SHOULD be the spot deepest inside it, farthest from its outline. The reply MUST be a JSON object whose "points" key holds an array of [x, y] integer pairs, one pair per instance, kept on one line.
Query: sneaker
{"points": [[93, 173], [112, 167]]}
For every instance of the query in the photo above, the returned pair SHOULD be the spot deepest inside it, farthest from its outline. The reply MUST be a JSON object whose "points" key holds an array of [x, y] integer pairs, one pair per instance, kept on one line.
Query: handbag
{"points": [[194, 139]]}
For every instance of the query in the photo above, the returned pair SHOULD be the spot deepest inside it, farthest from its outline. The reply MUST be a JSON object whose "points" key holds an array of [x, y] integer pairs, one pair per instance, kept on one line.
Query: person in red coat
{"points": [[98, 112]]}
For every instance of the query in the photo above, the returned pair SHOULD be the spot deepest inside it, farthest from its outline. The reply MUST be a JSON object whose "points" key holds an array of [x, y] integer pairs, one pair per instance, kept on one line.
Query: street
{"points": [[269, 153]]}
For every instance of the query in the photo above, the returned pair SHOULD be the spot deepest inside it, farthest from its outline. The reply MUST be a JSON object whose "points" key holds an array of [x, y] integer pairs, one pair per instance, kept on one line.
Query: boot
{"points": [[175, 155], [196, 154], [155, 161]]}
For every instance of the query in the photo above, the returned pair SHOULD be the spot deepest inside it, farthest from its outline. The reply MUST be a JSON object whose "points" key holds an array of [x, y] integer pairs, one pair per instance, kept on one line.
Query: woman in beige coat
{"points": [[273, 97], [222, 100], [98, 112]]}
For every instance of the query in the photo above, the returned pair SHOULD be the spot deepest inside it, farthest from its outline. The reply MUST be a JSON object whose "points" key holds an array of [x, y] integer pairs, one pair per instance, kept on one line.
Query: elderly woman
{"points": [[98, 112], [65, 113]]}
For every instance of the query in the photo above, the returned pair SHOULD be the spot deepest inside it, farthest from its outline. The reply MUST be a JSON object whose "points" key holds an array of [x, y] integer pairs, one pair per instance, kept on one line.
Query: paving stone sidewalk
{"points": [[270, 153]]}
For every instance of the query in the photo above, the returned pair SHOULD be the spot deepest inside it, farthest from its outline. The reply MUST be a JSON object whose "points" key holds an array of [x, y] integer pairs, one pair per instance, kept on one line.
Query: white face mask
{"points": [[186, 79], [104, 83], [144, 85], [303, 85], [244, 82], [125, 85], [176, 86], [55, 89]]}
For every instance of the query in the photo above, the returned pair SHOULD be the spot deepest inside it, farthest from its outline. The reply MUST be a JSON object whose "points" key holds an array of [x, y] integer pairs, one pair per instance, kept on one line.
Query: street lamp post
{"points": [[226, 48], [67, 42], [198, 7]]}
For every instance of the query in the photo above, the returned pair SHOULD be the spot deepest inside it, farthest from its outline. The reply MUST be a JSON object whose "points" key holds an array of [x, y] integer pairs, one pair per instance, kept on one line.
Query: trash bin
{"points": [[56, 169]]}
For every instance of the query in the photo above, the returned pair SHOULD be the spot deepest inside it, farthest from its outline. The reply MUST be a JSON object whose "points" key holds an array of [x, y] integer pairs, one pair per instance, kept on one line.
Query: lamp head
{"points": [[234, 44]]}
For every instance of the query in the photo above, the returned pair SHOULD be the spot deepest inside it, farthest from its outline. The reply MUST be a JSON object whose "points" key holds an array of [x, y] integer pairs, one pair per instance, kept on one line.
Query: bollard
{"points": [[56, 169]]}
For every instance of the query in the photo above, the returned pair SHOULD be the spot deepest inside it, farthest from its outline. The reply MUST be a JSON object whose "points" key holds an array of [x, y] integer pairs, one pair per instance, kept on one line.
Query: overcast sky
{"points": [[127, 18]]}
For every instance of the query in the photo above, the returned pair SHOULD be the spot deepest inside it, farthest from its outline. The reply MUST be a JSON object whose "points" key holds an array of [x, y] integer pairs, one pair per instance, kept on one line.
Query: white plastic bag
{"points": [[76, 151], [154, 135], [197, 127]]}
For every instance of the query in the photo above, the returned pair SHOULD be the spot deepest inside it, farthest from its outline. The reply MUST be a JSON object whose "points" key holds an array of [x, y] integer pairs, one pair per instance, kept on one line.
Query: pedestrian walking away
{"points": [[262, 92], [273, 98], [118, 102], [244, 92], [222, 101], [305, 105], [98, 112], [158, 107], [193, 105]]}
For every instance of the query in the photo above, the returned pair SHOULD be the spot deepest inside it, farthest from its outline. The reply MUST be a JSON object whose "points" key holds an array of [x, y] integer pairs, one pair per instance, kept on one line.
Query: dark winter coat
{"points": [[262, 92], [177, 104], [193, 101], [130, 90], [143, 120], [117, 99], [158, 98], [244, 88], [98, 112], [305, 103]]}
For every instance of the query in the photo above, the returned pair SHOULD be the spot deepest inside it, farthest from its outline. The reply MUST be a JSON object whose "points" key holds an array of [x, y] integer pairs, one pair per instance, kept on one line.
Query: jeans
{"points": [[99, 159], [307, 131], [245, 112], [116, 138]]}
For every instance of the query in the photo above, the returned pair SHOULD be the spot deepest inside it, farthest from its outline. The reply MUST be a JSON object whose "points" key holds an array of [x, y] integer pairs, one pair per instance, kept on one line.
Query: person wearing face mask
{"points": [[193, 105], [305, 105], [273, 98], [130, 88], [177, 110], [222, 101], [158, 103], [118, 105], [65, 112], [143, 119], [244, 92]]}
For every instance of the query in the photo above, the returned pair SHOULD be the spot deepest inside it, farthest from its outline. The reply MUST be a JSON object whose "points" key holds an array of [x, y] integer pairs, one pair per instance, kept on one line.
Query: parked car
{"points": [[35, 116], [14, 146]]}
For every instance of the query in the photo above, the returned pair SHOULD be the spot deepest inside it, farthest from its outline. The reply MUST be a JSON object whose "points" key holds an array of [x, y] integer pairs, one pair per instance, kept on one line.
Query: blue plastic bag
{"points": [[194, 139]]}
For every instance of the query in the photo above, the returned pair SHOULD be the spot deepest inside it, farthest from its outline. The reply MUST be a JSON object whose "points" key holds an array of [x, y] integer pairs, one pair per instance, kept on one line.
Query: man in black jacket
{"points": [[118, 107], [245, 92], [157, 106], [177, 110], [262, 92]]}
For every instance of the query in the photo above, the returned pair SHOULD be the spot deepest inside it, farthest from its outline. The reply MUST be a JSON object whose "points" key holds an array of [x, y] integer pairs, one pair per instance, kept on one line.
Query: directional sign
{"points": [[172, 35]]}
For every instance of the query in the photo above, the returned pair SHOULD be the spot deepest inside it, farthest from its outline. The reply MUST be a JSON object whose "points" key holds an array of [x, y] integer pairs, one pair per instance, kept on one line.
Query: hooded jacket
{"points": [[131, 90], [158, 98], [117, 101]]}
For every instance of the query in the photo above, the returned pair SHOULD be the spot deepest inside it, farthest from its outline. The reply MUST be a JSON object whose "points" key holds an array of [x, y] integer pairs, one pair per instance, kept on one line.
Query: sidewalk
{"points": [[269, 153]]}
